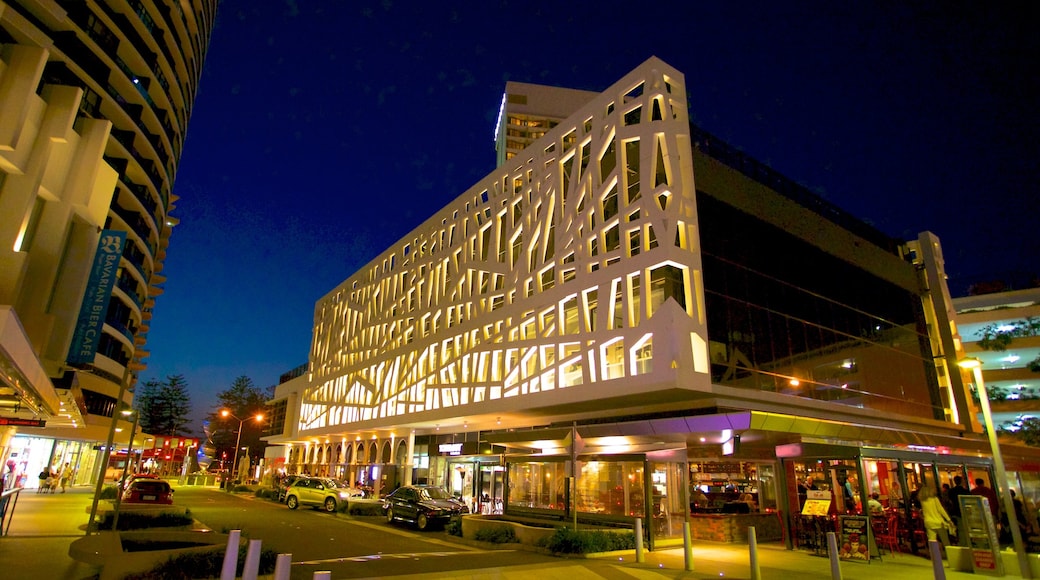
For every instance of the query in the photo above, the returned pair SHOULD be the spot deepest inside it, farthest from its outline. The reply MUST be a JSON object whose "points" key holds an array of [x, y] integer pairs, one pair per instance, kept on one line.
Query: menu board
{"points": [[982, 535], [854, 543], [817, 503]]}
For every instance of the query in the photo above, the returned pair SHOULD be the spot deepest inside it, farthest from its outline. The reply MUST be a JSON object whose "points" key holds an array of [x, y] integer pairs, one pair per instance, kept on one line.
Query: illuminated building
{"points": [[1002, 329], [625, 298], [96, 98]]}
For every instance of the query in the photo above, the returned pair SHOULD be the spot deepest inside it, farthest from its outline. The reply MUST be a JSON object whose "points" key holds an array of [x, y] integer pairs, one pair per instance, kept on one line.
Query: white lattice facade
{"points": [[545, 284]]}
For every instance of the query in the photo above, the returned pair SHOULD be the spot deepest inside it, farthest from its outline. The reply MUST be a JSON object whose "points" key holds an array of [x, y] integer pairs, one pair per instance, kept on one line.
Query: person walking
{"points": [[44, 476], [66, 475], [936, 521]]}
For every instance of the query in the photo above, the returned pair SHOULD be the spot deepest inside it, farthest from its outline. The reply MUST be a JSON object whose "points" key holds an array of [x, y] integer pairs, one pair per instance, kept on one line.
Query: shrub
{"points": [[203, 565], [567, 541], [266, 493], [356, 508], [497, 535], [109, 492], [454, 527]]}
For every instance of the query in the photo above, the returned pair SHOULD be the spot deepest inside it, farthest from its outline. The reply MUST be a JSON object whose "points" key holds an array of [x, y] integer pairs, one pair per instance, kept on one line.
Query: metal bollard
{"points": [[832, 552], [752, 540], [640, 557], [323, 575], [687, 546], [937, 562], [282, 566], [252, 565], [230, 568]]}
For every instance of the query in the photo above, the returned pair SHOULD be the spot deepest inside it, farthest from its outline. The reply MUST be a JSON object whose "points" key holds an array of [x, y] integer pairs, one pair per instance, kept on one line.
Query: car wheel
{"points": [[292, 502], [330, 505], [421, 522], [389, 515]]}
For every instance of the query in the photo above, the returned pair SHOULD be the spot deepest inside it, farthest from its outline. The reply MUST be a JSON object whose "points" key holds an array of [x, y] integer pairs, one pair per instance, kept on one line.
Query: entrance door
{"points": [[460, 483], [491, 484]]}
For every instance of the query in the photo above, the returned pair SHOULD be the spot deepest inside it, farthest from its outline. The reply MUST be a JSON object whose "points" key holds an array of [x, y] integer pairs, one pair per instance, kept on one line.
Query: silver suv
{"points": [[319, 492]]}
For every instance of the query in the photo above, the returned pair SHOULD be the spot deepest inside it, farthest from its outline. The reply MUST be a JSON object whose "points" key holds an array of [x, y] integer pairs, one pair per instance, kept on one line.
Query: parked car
{"points": [[318, 492], [283, 485], [136, 476], [422, 504], [148, 490]]}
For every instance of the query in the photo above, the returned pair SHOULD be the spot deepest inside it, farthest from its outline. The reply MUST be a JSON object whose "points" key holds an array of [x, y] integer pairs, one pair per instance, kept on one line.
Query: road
{"points": [[349, 546]]}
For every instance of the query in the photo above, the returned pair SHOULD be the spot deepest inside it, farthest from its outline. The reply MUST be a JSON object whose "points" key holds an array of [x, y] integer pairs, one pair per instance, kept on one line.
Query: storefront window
{"points": [[732, 486], [611, 488], [669, 512], [538, 485]]}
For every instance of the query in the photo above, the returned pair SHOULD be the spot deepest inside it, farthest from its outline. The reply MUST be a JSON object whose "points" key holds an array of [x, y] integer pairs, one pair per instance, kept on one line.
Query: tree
{"points": [[164, 407], [243, 400], [1028, 432]]}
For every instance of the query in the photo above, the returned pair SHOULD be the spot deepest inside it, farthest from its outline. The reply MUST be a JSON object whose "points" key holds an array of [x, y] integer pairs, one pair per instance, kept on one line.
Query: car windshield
{"points": [[433, 493]]}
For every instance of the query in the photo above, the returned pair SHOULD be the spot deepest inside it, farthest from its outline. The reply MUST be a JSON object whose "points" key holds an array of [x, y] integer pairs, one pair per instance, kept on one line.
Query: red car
{"points": [[148, 491]]}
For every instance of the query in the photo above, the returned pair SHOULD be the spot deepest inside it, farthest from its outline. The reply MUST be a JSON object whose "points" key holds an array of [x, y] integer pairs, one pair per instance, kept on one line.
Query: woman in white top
{"points": [[936, 520]]}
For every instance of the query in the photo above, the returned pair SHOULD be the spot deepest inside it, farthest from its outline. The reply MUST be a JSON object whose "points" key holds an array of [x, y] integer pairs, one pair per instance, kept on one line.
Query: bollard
{"points": [[282, 566], [752, 540], [687, 546], [937, 562], [640, 557], [252, 565], [323, 575], [230, 567], [832, 552]]}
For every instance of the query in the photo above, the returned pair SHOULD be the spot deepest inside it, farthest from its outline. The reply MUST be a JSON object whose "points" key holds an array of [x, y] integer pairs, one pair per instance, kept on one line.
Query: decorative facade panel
{"points": [[553, 274]]}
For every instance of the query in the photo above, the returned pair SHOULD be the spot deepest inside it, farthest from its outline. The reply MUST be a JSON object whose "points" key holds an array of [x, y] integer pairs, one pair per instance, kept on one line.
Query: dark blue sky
{"points": [[324, 131]]}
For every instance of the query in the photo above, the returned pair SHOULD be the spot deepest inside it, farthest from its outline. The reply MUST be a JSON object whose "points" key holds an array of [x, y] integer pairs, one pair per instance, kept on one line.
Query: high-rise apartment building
{"points": [[628, 308], [95, 99]]}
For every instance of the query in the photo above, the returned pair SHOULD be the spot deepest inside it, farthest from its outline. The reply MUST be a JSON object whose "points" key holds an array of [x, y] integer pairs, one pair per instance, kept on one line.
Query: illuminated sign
{"points": [[450, 448], [16, 422], [94, 308]]}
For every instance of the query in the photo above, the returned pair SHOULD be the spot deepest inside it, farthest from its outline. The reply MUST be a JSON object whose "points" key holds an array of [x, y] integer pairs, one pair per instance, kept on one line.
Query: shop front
{"points": [[610, 490], [729, 495], [471, 471], [825, 482]]}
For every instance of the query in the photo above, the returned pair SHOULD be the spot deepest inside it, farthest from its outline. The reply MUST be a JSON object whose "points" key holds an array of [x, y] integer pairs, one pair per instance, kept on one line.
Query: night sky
{"points": [[325, 131]]}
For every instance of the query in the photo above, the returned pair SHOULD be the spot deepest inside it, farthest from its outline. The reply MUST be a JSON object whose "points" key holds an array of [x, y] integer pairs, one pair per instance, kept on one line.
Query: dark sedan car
{"points": [[422, 504]]}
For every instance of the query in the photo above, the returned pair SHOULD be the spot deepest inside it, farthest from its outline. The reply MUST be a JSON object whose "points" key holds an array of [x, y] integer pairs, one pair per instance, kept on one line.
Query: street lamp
{"points": [[238, 441], [975, 365], [126, 465]]}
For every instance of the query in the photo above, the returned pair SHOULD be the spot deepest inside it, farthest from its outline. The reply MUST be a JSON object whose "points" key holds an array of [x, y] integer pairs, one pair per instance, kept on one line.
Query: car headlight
{"points": [[344, 495]]}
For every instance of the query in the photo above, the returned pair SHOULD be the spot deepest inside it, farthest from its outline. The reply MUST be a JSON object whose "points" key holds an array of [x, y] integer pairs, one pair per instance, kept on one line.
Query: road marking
{"points": [[406, 556]]}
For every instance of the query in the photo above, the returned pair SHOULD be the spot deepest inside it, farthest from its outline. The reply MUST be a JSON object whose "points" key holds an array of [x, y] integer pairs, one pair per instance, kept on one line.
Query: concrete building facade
{"points": [[95, 100]]}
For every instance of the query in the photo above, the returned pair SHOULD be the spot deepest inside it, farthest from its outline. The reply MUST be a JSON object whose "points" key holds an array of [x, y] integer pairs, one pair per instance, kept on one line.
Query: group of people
{"points": [[51, 479], [941, 512]]}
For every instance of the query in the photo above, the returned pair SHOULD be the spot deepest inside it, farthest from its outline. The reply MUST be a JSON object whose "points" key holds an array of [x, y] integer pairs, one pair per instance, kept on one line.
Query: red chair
{"points": [[886, 534]]}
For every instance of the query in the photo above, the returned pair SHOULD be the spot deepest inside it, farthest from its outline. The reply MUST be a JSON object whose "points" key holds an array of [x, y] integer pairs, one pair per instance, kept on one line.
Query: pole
{"points": [[238, 441], [756, 570], [832, 551], [106, 453], [1001, 473], [122, 480]]}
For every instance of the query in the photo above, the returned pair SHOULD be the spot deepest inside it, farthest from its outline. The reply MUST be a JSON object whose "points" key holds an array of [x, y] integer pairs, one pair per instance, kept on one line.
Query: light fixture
{"points": [[794, 382], [975, 365]]}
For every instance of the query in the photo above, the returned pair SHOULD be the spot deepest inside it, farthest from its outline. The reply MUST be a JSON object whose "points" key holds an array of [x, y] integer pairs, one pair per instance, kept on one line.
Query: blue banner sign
{"points": [[95, 302]]}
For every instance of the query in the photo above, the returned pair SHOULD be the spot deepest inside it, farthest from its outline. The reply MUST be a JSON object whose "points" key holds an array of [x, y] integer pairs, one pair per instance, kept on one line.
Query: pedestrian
{"points": [[51, 481], [989, 494], [936, 521], [44, 475], [66, 475], [954, 508]]}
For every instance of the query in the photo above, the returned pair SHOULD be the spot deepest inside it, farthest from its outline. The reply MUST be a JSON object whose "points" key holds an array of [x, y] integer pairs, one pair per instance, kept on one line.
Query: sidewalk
{"points": [[43, 527]]}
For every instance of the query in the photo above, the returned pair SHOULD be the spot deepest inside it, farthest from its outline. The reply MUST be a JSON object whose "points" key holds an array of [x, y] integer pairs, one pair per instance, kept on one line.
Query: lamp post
{"points": [[975, 365], [126, 465], [238, 441]]}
